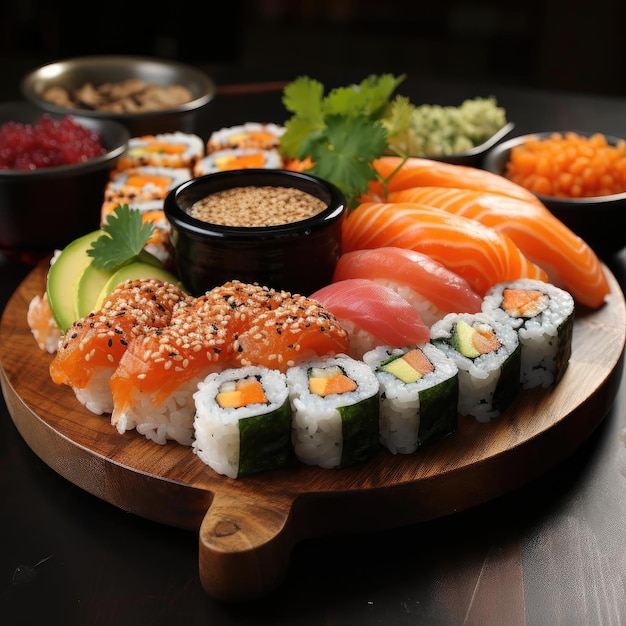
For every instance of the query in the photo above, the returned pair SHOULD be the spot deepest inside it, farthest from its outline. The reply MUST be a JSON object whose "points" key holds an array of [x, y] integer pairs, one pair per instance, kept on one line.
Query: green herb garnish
{"points": [[124, 236], [342, 132]]}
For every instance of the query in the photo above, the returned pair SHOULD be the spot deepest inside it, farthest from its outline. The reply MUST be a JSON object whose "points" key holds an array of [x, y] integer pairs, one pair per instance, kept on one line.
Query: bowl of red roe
{"points": [[53, 171], [579, 176], [278, 228]]}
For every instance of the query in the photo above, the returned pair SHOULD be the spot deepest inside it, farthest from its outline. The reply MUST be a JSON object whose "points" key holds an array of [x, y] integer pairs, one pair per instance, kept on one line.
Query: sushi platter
{"points": [[248, 527]]}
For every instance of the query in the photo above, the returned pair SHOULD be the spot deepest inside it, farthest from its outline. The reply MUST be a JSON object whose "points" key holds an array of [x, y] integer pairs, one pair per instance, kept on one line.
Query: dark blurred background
{"points": [[574, 45]]}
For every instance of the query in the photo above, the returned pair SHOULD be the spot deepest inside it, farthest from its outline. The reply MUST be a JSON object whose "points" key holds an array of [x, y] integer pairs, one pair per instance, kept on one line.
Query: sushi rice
{"points": [[488, 383], [414, 412], [545, 329], [243, 440], [339, 429]]}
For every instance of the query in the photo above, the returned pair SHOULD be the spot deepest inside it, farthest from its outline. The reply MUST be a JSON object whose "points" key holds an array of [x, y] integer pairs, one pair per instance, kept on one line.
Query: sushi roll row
{"points": [[152, 166], [521, 339], [331, 412], [252, 419]]}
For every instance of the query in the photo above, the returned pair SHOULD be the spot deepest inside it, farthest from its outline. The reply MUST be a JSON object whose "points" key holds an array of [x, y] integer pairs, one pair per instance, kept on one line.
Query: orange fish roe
{"points": [[569, 165]]}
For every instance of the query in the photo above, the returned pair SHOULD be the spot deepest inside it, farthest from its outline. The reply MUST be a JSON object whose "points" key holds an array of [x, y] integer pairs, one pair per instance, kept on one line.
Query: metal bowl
{"points": [[46, 208], [71, 74]]}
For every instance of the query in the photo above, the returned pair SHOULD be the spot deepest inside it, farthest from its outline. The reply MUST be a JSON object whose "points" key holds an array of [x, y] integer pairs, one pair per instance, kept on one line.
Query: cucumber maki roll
{"points": [[242, 424], [419, 391], [488, 356], [335, 411], [543, 315]]}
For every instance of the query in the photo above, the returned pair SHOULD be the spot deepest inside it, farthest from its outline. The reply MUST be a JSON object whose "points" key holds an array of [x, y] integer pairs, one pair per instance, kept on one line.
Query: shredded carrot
{"points": [[569, 165]]}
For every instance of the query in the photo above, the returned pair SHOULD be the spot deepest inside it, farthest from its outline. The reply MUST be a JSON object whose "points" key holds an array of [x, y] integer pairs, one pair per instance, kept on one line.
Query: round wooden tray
{"points": [[248, 527]]}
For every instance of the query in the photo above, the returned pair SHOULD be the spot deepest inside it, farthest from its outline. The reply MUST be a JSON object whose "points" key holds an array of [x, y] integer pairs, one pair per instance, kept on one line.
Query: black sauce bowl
{"points": [[299, 257]]}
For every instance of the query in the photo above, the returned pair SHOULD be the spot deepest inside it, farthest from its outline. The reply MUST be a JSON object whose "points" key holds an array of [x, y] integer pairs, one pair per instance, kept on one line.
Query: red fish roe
{"points": [[47, 143]]}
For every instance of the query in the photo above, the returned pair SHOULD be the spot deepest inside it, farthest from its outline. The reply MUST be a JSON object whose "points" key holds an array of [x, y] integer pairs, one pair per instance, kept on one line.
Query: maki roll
{"points": [[251, 135], [335, 411], [238, 159], [175, 149], [419, 392], [242, 424], [488, 356], [543, 316], [143, 183]]}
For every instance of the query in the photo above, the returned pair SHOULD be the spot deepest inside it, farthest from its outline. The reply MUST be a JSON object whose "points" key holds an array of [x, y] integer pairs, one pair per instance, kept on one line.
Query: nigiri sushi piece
{"points": [[373, 314], [153, 384], [297, 330], [422, 172], [92, 347], [481, 255], [427, 284], [570, 263]]}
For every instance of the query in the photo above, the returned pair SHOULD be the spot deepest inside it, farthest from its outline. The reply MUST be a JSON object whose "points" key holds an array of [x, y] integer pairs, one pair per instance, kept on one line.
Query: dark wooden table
{"points": [[552, 552]]}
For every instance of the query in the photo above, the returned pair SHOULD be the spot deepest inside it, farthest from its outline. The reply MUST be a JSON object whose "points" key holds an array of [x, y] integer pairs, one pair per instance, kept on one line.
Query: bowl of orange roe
{"points": [[579, 176]]}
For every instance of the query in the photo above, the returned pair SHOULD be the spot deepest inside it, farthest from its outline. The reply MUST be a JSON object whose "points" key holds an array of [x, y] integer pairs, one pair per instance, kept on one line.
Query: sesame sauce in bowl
{"points": [[293, 246]]}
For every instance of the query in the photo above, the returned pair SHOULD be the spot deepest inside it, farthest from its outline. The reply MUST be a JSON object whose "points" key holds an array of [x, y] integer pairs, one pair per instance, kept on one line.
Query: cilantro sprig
{"points": [[123, 239], [342, 132]]}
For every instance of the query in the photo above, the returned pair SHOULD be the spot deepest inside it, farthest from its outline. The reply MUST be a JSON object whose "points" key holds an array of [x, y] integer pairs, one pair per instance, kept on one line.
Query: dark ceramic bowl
{"points": [[594, 219], [299, 257], [46, 208], [72, 74], [476, 155]]}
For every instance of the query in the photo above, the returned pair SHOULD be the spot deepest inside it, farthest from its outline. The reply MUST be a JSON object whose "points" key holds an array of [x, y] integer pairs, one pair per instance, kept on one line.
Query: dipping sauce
{"points": [[256, 206]]}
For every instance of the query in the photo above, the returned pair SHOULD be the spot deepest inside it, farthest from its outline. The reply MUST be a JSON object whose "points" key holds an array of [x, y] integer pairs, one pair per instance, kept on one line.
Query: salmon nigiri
{"points": [[481, 255], [422, 172], [428, 284], [569, 262], [373, 314], [285, 336], [93, 346]]}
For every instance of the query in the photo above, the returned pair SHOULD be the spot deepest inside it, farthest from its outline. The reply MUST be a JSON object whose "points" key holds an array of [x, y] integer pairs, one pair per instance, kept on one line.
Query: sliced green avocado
{"points": [[63, 278], [402, 370], [94, 279], [463, 340], [134, 271]]}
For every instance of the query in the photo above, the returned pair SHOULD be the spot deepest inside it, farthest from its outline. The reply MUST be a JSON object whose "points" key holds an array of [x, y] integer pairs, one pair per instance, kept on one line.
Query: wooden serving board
{"points": [[248, 527]]}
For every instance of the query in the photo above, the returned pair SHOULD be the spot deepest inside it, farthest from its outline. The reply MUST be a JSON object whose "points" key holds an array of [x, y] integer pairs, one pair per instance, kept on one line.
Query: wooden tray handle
{"points": [[245, 544]]}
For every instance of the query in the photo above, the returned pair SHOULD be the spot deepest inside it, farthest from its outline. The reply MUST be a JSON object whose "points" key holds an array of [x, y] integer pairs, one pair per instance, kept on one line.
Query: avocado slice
{"points": [[463, 340], [134, 271], [94, 279], [402, 370], [63, 278]]}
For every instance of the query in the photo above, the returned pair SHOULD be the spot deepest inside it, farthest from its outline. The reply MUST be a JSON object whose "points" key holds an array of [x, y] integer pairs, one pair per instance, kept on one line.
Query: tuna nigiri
{"points": [[427, 284], [569, 262], [481, 255], [373, 315], [421, 172]]}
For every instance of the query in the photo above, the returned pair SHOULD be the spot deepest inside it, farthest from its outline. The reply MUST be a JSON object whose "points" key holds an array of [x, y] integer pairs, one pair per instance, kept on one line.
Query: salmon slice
{"points": [[101, 338], [481, 255], [286, 336], [569, 262], [421, 172]]}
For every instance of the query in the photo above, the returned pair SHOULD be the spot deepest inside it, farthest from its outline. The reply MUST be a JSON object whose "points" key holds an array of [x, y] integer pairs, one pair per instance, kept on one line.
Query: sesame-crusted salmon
{"points": [[93, 346]]}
